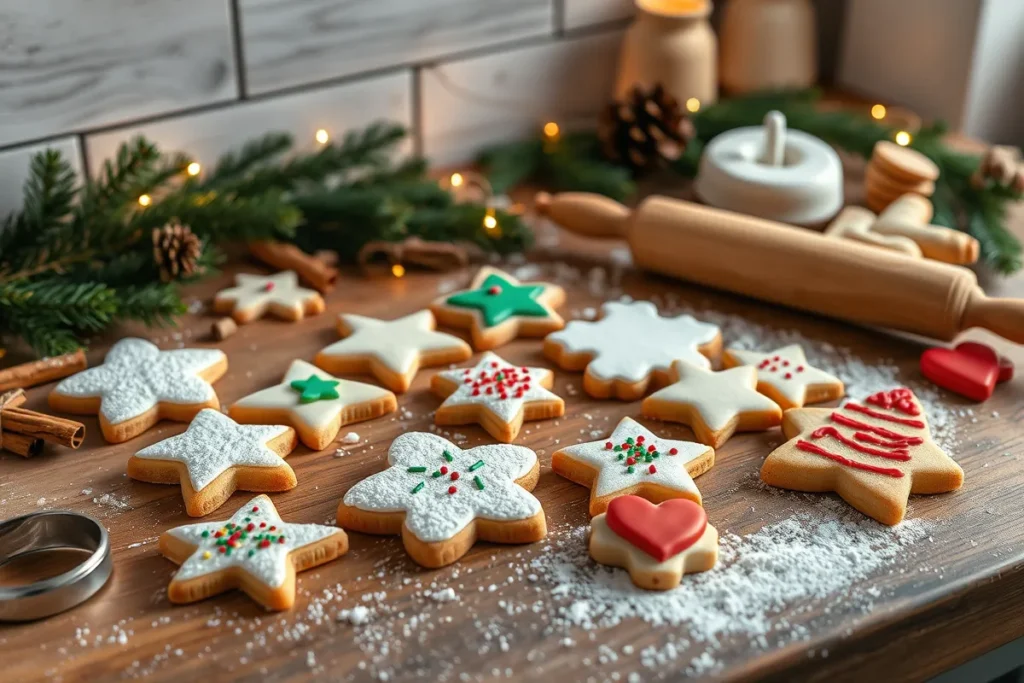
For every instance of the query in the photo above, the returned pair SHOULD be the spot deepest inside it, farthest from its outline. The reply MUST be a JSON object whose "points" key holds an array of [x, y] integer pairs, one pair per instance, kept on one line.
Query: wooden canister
{"points": [[671, 42], [768, 45]]}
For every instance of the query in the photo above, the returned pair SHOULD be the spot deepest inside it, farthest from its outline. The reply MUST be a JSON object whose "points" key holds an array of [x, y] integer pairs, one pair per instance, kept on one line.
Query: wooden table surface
{"points": [[952, 592]]}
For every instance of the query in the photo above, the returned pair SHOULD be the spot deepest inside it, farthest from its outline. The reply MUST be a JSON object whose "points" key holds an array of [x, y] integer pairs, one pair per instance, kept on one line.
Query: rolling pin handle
{"points": [[585, 214], [1004, 317]]}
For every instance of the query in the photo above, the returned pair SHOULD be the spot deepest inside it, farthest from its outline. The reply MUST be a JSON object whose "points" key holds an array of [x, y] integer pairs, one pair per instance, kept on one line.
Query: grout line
{"points": [[238, 45], [534, 41]]}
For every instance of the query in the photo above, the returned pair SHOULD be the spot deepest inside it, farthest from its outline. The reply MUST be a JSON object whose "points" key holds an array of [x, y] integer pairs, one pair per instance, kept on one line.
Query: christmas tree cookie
{"points": [[873, 454], [392, 350], [215, 457], [785, 376], [714, 404], [630, 348], [138, 385], [316, 404], [253, 296], [254, 551], [496, 395], [656, 544], [497, 308], [442, 499], [634, 461]]}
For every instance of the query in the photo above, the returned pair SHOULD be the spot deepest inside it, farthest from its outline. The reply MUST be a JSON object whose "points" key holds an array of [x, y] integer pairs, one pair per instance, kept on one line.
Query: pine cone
{"points": [[1001, 166], [646, 130], [176, 251]]}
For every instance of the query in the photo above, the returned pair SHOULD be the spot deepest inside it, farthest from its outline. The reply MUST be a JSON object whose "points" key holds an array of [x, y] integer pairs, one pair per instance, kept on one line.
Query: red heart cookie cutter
{"points": [[969, 369], [662, 531]]}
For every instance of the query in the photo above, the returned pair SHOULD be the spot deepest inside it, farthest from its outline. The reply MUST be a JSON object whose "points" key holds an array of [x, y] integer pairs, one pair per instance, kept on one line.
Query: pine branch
{"points": [[48, 196]]}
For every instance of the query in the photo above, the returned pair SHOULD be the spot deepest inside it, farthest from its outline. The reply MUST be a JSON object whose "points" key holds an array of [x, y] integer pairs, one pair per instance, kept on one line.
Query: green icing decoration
{"points": [[497, 299], [315, 389]]}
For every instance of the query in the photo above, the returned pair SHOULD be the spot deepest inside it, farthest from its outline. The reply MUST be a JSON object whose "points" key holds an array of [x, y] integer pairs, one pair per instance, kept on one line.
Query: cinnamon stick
{"points": [[22, 445], [42, 371], [311, 270], [29, 423]]}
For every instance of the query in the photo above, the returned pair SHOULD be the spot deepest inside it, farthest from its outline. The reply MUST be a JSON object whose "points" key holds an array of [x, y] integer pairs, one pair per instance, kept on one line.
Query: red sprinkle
{"points": [[608, 445], [452, 490], [280, 539], [640, 439], [652, 469], [630, 461], [494, 290], [272, 528], [788, 375], [250, 526], [651, 448], [222, 549], [255, 508], [455, 476], [799, 368], [269, 287], [673, 451], [444, 470], [263, 524], [264, 543]]}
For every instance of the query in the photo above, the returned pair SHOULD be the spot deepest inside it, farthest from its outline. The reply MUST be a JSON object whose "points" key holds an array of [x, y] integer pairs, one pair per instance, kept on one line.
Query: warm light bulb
{"points": [[490, 222], [878, 111], [322, 136], [693, 105], [398, 270], [551, 129], [903, 138], [193, 169], [457, 180], [145, 200]]}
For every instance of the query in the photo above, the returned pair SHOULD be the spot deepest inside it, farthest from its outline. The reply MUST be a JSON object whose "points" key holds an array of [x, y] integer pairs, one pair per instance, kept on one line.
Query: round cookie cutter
{"points": [[53, 530]]}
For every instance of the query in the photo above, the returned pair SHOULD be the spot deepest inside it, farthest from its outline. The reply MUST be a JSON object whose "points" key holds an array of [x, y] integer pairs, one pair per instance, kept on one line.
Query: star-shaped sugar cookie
{"points": [[253, 296], [633, 460], [392, 350], [215, 457], [630, 348], [657, 544], [442, 499], [496, 395], [874, 454], [497, 308], [714, 404], [785, 376], [254, 551], [138, 385], [316, 404]]}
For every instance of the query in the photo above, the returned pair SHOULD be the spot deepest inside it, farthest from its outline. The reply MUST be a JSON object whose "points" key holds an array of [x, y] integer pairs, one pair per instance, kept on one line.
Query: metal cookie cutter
{"points": [[53, 530]]}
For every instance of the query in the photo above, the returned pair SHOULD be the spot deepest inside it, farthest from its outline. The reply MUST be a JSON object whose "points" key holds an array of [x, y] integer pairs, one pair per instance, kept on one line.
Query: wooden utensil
{"points": [[791, 266]]}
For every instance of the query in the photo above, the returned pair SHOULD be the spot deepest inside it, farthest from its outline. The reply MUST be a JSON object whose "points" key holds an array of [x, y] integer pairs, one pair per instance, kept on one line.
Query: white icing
{"points": [[433, 514], [258, 292], [718, 397], [786, 370], [268, 565], [630, 341], [612, 473], [136, 375], [214, 443], [505, 409], [397, 344], [316, 414]]}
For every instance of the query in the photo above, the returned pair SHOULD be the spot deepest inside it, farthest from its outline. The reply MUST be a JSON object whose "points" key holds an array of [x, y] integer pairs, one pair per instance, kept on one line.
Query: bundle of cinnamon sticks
{"points": [[24, 431]]}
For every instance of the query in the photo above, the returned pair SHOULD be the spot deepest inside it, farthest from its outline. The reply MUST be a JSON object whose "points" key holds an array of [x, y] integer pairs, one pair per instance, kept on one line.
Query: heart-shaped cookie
{"points": [[661, 531], [970, 369]]}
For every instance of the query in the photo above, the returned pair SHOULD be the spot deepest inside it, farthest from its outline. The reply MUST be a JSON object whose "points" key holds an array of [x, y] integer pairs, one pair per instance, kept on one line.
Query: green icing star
{"points": [[315, 389], [497, 299]]}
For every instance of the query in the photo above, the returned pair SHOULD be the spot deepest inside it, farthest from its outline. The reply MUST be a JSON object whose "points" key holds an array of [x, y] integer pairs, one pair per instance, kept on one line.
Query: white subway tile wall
{"points": [[469, 103], [207, 135], [72, 66], [460, 74], [292, 42], [14, 164]]}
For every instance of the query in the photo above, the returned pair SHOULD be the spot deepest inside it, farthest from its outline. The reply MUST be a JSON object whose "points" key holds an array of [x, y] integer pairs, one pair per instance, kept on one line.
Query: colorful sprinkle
{"points": [[673, 451], [455, 476], [207, 555], [418, 487], [477, 465], [479, 483], [447, 456], [452, 490], [417, 469]]}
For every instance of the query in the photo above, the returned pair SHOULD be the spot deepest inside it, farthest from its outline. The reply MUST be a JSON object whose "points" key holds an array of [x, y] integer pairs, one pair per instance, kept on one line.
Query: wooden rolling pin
{"points": [[791, 266]]}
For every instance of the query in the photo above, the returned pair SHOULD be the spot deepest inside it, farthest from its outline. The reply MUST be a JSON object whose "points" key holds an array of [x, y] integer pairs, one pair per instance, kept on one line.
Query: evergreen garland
{"points": [[78, 259], [958, 204]]}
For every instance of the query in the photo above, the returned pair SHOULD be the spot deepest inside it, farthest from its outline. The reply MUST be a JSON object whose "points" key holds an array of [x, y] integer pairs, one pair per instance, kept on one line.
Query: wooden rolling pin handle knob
{"points": [[1004, 317], [585, 214]]}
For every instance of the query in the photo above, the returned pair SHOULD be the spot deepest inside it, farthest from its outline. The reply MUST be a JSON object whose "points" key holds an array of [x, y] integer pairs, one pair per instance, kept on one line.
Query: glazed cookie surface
{"points": [[785, 376], [441, 498], [138, 385], [497, 308], [254, 551], [392, 350], [215, 457], [280, 295], [630, 348], [633, 460]]}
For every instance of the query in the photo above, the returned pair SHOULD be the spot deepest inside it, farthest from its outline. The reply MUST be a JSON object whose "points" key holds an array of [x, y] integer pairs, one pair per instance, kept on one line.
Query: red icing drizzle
{"points": [[901, 400], [814, 448], [839, 418], [896, 452], [856, 407]]}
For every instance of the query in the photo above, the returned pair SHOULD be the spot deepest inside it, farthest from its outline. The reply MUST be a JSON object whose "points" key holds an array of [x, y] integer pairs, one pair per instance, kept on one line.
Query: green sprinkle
{"points": [[617, 449], [620, 456], [447, 456], [648, 458], [228, 551], [416, 469], [206, 534], [477, 465], [655, 454], [418, 487], [479, 483], [436, 474], [630, 469], [629, 440], [251, 553]]}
